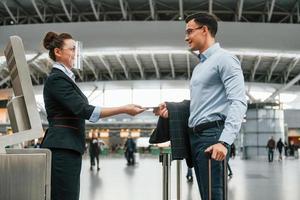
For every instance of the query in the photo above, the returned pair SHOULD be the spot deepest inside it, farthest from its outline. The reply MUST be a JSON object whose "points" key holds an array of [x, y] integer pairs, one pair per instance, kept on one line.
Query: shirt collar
{"points": [[64, 69], [208, 52]]}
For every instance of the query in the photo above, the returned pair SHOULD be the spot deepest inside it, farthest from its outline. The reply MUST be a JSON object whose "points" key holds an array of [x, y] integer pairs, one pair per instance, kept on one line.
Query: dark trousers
{"points": [[280, 154], [229, 169], [130, 157], [189, 172], [270, 155], [199, 142], [92, 159], [65, 174]]}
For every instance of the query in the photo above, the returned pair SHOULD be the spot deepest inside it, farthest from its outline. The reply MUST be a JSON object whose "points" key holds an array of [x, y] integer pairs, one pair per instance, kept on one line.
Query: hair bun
{"points": [[48, 40]]}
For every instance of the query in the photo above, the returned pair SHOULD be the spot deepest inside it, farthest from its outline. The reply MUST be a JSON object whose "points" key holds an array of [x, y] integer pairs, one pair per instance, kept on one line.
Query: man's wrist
{"points": [[224, 144]]}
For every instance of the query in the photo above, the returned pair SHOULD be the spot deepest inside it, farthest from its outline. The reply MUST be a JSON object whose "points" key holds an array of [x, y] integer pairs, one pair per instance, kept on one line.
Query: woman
{"points": [[67, 109], [94, 150]]}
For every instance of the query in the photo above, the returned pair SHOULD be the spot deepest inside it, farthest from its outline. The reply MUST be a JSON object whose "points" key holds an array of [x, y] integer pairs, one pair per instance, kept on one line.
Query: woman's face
{"points": [[66, 54]]}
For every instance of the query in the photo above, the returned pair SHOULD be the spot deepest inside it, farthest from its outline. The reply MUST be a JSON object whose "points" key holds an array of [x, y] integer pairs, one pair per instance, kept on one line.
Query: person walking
{"points": [[94, 150], [130, 149], [271, 147], [279, 147], [231, 155]]}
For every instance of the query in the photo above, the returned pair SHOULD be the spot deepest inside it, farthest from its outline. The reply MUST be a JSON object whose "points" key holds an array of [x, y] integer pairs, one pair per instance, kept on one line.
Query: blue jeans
{"points": [[199, 142], [270, 155]]}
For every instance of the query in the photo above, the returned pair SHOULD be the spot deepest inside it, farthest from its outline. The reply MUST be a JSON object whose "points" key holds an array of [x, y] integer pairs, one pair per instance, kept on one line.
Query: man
{"points": [[94, 149], [271, 147], [218, 102], [279, 146], [130, 148]]}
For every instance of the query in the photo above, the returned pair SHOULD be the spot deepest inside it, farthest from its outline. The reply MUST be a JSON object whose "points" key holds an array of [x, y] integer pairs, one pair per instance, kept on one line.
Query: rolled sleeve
{"points": [[95, 115], [233, 80], [233, 122]]}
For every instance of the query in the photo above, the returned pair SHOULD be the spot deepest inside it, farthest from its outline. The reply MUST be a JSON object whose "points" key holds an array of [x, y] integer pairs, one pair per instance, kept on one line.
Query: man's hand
{"points": [[162, 110], [218, 151]]}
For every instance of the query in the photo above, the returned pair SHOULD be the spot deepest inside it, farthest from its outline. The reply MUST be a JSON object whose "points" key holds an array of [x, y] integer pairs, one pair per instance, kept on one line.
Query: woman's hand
{"points": [[132, 109]]}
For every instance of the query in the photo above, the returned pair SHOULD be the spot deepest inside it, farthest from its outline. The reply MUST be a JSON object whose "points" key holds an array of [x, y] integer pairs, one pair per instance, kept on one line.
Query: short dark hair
{"points": [[53, 40], [204, 19]]}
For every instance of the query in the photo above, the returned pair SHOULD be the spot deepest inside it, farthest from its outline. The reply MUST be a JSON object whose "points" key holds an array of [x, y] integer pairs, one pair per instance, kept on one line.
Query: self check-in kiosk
{"points": [[25, 173]]}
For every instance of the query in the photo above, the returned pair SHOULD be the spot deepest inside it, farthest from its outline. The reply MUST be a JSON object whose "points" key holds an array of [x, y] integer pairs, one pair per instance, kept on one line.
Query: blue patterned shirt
{"points": [[218, 92]]}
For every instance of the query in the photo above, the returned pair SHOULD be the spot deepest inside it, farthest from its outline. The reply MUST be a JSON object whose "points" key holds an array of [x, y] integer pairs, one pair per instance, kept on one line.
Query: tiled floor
{"points": [[252, 180]]}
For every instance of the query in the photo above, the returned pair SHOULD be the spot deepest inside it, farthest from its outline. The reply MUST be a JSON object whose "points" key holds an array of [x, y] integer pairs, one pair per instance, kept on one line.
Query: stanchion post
{"points": [[165, 159], [178, 179]]}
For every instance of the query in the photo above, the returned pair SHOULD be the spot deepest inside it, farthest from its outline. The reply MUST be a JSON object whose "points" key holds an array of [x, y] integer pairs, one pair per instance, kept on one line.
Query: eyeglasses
{"points": [[191, 30], [70, 48]]}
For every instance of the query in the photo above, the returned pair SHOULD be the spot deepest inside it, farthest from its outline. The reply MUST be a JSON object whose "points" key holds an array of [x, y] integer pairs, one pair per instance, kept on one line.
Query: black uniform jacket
{"points": [[67, 108]]}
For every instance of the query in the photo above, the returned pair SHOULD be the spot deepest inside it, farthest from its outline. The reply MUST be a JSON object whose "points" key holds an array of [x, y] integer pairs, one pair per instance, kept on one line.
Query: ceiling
{"points": [[61, 11], [269, 52], [161, 65]]}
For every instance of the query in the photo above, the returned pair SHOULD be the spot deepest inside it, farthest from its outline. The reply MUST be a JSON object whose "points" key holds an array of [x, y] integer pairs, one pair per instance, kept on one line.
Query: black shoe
{"points": [[98, 168], [91, 168]]}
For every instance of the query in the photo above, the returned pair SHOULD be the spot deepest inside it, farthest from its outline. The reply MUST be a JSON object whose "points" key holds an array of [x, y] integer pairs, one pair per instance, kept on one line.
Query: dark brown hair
{"points": [[206, 20], [53, 40]]}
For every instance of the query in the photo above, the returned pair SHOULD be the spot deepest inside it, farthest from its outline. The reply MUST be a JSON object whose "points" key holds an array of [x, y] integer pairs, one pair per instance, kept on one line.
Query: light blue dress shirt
{"points": [[96, 113], [218, 92]]}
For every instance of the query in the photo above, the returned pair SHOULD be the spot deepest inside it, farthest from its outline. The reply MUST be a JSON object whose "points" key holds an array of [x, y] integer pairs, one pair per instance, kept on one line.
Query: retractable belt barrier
{"points": [[165, 159]]}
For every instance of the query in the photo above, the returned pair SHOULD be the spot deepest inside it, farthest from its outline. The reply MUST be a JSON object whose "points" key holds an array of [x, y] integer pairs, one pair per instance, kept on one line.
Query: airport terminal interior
{"points": [[134, 52]]}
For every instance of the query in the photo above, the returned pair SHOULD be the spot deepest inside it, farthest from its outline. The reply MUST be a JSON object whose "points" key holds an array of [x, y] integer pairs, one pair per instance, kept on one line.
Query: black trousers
{"points": [[65, 174], [130, 157], [92, 159]]}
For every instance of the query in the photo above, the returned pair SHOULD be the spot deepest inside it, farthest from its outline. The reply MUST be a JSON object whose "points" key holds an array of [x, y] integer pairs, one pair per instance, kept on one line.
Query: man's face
{"points": [[194, 35]]}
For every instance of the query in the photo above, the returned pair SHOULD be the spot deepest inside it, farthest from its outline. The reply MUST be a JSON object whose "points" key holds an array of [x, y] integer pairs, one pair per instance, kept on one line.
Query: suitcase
{"points": [[225, 172]]}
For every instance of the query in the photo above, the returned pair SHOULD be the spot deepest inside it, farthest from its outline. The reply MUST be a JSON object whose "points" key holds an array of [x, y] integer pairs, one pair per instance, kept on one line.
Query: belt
{"points": [[207, 125], [64, 122]]}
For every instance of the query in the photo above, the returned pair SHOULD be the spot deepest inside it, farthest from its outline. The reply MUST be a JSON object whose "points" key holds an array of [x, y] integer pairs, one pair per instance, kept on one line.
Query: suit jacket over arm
{"points": [[175, 129]]}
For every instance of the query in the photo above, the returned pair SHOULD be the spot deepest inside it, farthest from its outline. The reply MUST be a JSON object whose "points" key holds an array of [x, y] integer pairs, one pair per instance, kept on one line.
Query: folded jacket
{"points": [[176, 130]]}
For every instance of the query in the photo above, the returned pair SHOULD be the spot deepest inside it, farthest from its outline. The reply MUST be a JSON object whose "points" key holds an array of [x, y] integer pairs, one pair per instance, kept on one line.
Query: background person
{"points": [[279, 147], [130, 149], [94, 151], [271, 147]]}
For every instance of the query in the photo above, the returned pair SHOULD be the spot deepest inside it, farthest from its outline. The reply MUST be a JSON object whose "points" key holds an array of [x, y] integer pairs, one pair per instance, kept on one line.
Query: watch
{"points": [[225, 144]]}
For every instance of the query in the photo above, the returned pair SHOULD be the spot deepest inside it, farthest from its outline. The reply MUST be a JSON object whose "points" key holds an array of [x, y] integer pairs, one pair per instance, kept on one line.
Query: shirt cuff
{"points": [[227, 137], [95, 115]]}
